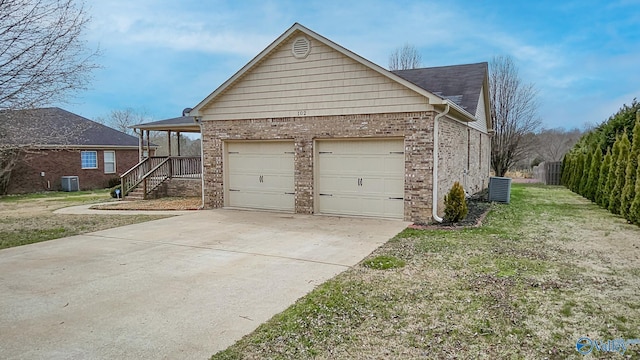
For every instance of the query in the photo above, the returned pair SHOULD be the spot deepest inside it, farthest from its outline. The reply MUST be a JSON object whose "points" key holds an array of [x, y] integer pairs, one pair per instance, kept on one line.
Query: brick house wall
{"points": [[463, 154], [26, 176], [415, 128], [179, 187]]}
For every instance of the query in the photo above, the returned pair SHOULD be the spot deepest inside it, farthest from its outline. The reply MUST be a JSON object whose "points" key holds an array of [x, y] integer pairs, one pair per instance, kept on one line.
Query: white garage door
{"points": [[260, 175], [361, 177]]}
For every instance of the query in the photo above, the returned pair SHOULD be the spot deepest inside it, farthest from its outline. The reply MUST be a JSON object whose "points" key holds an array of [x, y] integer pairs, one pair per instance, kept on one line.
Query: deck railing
{"points": [[153, 171]]}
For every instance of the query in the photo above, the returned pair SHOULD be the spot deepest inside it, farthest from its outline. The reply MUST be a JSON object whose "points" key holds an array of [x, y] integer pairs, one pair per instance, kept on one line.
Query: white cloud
{"points": [[142, 24]]}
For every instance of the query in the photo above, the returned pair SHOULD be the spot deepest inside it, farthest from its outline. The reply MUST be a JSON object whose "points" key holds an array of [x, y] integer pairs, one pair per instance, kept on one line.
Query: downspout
{"points": [[199, 122], [434, 200]]}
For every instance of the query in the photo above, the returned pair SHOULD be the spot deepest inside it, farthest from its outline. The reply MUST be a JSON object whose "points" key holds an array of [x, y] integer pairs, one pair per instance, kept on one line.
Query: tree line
{"points": [[603, 165]]}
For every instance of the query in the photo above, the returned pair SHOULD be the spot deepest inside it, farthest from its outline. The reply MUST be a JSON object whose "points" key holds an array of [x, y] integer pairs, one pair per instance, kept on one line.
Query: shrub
{"points": [[586, 171], [602, 198], [594, 172], [629, 189], [455, 205], [611, 177], [615, 199], [578, 169], [113, 182], [634, 211], [113, 191]]}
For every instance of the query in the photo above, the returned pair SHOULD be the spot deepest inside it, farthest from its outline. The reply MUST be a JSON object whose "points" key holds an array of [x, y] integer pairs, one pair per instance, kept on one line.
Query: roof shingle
{"points": [[57, 127], [461, 84]]}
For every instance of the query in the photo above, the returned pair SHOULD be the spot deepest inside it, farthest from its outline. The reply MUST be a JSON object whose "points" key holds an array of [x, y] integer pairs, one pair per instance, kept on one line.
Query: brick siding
{"points": [[180, 187], [26, 176], [463, 157], [415, 128]]}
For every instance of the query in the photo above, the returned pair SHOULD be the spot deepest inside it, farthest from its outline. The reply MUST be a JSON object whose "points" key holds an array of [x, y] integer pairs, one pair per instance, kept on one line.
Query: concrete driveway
{"points": [[178, 288]]}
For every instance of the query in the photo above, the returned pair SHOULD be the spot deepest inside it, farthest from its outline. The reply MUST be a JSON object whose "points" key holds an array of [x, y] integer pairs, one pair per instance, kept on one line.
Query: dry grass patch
{"points": [[29, 219], [535, 278], [168, 203]]}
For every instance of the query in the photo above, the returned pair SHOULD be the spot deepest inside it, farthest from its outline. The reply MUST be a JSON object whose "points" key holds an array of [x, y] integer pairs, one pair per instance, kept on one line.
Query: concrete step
{"points": [[135, 194]]}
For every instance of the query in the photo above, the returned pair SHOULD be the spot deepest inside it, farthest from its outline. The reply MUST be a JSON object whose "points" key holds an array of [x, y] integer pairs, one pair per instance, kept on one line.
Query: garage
{"points": [[260, 175], [360, 177]]}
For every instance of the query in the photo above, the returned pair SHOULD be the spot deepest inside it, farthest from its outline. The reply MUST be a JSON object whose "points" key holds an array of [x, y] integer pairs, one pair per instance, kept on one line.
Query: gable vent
{"points": [[301, 47]]}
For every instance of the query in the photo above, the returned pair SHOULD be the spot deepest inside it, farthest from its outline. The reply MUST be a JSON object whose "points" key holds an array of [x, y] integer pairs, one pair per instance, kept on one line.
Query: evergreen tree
{"points": [[565, 164], [594, 172], [634, 211], [611, 177], [578, 169], [602, 198], [629, 190], [615, 200], [585, 175], [568, 173]]}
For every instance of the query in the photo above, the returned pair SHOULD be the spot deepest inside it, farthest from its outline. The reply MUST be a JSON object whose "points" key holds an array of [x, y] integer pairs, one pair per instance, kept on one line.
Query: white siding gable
{"points": [[324, 83], [481, 122]]}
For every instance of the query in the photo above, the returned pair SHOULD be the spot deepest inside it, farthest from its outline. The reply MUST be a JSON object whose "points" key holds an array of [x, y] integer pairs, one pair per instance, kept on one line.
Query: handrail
{"points": [[153, 171], [157, 176], [132, 178]]}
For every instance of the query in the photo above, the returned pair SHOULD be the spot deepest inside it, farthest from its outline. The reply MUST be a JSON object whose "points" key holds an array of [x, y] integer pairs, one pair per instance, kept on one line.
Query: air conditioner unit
{"points": [[500, 189], [70, 183]]}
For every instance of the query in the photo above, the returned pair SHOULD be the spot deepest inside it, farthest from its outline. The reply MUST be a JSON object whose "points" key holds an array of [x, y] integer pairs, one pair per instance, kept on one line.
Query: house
{"points": [[310, 127], [53, 143]]}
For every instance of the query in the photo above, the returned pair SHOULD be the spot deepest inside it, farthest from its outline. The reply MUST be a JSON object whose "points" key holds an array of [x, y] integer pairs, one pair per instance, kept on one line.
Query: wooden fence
{"points": [[548, 172]]}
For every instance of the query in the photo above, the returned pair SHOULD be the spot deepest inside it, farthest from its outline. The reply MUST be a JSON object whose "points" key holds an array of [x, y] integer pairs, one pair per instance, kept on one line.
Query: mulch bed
{"points": [[478, 209]]}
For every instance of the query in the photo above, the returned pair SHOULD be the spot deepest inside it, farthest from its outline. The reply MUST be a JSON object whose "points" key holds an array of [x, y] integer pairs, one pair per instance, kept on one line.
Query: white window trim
{"points": [[82, 164], [104, 158]]}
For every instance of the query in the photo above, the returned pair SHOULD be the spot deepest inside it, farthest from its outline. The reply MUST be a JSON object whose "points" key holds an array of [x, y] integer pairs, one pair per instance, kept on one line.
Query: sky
{"points": [[159, 57]]}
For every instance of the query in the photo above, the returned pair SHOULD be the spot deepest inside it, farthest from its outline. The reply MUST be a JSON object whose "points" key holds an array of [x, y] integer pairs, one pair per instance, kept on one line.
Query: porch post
{"points": [[178, 136], [169, 148], [140, 146], [148, 145]]}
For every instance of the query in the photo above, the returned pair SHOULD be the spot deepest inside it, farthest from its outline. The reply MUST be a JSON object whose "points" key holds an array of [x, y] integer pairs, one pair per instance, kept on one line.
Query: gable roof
{"points": [[461, 84], [296, 30], [57, 127]]}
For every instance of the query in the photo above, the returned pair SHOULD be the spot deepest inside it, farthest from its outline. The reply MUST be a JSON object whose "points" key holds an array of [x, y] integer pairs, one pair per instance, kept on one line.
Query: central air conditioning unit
{"points": [[500, 189], [70, 183]]}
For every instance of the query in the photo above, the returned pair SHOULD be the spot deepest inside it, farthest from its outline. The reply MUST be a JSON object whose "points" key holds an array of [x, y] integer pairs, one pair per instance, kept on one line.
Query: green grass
{"points": [[539, 274], [58, 195], [27, 219], [383, 262]]}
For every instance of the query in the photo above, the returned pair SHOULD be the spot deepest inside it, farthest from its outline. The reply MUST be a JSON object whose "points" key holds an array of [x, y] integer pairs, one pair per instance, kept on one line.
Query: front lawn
{"points": [[26, 219], [542, 272]]}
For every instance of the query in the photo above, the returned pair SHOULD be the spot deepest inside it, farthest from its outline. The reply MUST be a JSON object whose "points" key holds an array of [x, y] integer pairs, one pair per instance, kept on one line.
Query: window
{"points": [[109, 162], [89, 159]]}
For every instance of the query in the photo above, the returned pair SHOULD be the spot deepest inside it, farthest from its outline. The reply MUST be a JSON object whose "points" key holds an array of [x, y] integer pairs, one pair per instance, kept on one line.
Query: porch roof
{"points": [[179, 124]]}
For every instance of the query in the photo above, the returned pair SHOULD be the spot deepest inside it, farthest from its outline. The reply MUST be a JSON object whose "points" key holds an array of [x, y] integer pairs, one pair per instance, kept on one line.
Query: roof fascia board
{"points": [[487, 99], [182, 128], [455, 109]]}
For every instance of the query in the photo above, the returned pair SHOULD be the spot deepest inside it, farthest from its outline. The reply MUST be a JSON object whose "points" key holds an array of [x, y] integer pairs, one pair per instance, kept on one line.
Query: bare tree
{"points": [[188, 145], [513, 112], [43, 59], [42, 54], [552, 144], [405, 57], [122, 119]]}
